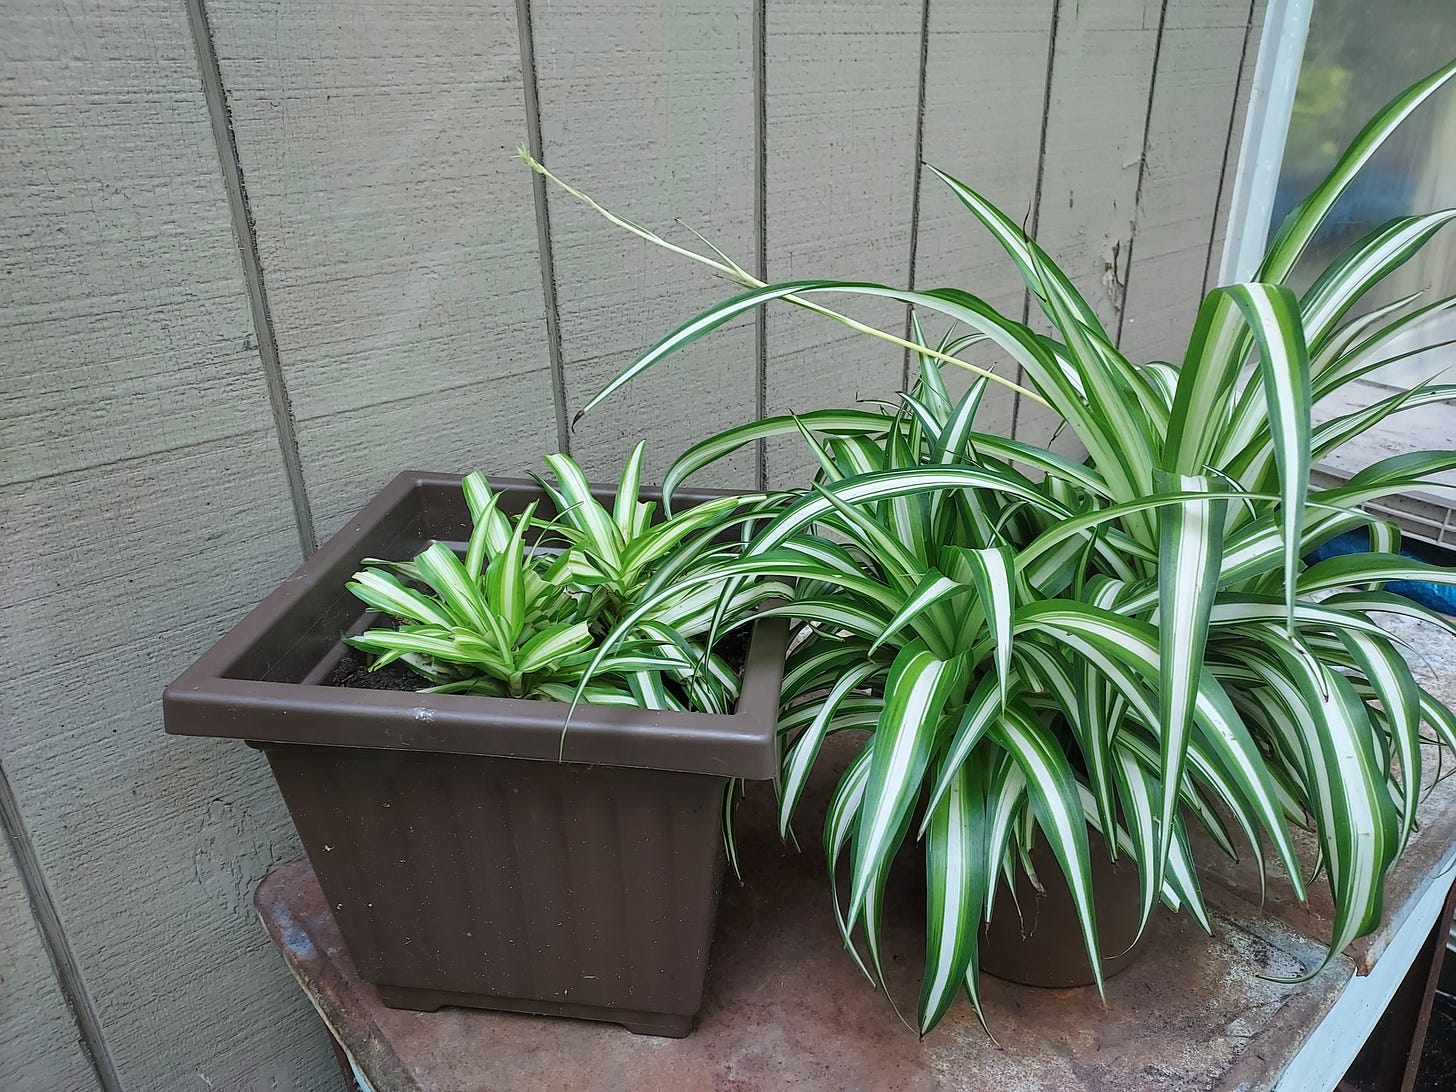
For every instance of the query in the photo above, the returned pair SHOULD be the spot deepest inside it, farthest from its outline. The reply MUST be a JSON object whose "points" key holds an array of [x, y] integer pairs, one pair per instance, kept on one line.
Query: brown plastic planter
{"points": [[464, 863], [1034, 938]]}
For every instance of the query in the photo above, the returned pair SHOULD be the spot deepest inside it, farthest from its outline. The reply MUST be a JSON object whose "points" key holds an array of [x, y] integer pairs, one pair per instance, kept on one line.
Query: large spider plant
{"points": [[1032, 646]]}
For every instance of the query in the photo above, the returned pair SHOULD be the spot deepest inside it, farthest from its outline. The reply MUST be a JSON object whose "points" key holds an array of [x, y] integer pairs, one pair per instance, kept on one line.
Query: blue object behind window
{"points": [[1441, 597]]}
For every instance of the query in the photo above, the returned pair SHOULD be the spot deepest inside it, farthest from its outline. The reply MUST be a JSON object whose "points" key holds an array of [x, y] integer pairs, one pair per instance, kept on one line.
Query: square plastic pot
{"points": [[465, 862]]}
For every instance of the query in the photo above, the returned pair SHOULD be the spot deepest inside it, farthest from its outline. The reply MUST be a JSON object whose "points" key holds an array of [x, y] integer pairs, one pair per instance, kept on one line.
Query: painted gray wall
{"points": [[40, 1046], [258, 257]]}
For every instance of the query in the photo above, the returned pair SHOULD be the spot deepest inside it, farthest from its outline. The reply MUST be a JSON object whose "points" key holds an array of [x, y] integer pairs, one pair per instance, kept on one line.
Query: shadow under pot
{"points": [[1035, 938]]}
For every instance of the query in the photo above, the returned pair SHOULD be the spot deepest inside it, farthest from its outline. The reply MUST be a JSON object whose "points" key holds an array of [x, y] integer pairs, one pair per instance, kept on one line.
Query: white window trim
{"points": [[1428, 515], [1266, 126]]}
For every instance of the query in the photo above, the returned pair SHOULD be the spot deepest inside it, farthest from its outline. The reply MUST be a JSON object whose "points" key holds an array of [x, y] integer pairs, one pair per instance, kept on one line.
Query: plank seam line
{"points": [[1137, 200], [1228, 144], [526, 34], [53, 938], [245, 229], [760, 219], [1041, 150], [915, 180]]}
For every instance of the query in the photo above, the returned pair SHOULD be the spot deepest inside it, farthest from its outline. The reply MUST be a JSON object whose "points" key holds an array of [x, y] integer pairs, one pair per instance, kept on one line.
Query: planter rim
{"points": [[208, 700]]}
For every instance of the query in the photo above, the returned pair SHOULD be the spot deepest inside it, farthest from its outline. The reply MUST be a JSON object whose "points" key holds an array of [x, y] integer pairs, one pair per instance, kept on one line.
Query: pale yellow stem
{"points": [[736, 273]]}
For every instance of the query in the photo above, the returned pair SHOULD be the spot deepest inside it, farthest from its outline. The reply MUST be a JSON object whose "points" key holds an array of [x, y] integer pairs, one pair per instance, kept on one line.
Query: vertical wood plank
{"points": [[39, 1045], [984, 84], [146, 506], [1196, 85], [1102, 74], [397, 233], [648, 106], [841, 103]]}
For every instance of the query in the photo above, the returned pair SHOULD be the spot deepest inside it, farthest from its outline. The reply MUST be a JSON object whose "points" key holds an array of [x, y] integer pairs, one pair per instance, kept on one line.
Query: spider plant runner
{"points": [[1031, 647]]}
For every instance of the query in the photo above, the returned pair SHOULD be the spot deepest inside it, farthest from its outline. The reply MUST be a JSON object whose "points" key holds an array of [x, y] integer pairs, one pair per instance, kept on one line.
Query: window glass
{"points": [[1359, 54]]}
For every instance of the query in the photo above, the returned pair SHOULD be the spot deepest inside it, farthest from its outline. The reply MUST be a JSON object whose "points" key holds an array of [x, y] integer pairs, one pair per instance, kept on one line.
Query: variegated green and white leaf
{"points": [[918, 690]]}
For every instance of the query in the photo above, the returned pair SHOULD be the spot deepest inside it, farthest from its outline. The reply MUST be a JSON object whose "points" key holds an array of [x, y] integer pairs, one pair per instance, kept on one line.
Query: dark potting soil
{"points": [[353, 672]]}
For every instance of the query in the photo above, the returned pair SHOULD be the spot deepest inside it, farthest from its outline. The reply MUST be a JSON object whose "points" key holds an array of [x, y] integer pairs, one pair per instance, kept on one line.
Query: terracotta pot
{"points": [[464, 862], [1035, 938]]}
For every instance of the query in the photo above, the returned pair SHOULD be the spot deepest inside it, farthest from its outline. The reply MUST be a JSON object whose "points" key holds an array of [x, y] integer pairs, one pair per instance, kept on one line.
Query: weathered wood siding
{"points": [[145, 505], [396, 234], [1186, 148], [39, 1044], [650, 105], [841, 107], [1100, 80], [985, 85], [1219, 231], [245, 283], [1134, 161]]}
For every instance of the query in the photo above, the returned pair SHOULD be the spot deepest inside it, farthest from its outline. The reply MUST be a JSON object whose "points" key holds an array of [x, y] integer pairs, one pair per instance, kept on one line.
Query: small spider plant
{"points": [[523, 612], [1029, 646]]}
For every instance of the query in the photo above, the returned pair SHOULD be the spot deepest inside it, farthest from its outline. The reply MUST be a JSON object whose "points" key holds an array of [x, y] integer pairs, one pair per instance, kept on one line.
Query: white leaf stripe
{"points": [[443, 572], [955, 874], [505, 587], [1184, 880], [382, 591], [822, 663], [583, 511], [1005, 800], [1385, 602], [482, 545], [994, 572], [1349, 362], [1347, 569], [932, 589], [839, 824], [1272, 313], [1391, 678], [552, 644], [1365, 265], [1356, 829], [624, 504], [1040, 272], [915, 696], [1049, 782], [484, 509], [1190, 548], [1137, 804], [1336, 343], [976, 720]]}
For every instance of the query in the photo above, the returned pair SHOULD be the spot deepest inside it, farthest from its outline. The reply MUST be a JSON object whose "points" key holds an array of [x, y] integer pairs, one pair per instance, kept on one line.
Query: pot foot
{"points": [[668, 1027], [402, 997]]}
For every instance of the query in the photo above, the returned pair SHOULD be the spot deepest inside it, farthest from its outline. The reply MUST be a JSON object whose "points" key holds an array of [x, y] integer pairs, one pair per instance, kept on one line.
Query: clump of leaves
{"points": [[1028, 646], [522, 613]]}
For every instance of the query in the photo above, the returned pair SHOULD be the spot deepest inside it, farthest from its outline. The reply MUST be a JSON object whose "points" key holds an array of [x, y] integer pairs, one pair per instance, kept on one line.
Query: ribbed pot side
{"points": [[567, 890]]}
